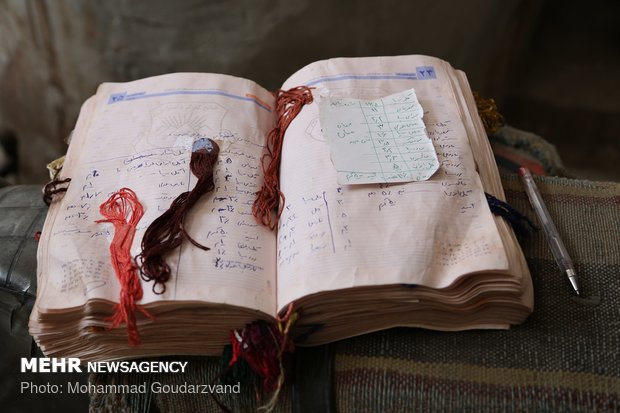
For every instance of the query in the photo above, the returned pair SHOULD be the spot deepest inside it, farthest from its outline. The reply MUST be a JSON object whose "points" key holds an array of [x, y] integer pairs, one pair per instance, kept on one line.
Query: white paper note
{"points": [[378, 141]]}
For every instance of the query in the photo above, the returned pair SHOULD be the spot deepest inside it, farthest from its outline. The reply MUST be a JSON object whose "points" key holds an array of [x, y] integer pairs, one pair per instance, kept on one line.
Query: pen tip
{"points": [[572, 277], [522, 171]]}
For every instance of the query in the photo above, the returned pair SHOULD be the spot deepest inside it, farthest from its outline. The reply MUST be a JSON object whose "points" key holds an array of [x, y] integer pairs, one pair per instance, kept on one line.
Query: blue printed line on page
{"points": [[123, 96], [421, 73]]}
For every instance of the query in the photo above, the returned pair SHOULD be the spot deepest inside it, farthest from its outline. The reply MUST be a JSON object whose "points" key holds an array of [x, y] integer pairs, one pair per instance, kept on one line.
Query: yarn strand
{"points": [[262, 346], [124, 211], [288, 105], [54, 187], [167, 231], [519, 222]]}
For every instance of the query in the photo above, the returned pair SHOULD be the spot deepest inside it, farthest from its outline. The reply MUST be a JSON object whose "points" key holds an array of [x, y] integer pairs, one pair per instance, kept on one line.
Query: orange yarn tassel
{"points": [[288, 105], [124, 211]]}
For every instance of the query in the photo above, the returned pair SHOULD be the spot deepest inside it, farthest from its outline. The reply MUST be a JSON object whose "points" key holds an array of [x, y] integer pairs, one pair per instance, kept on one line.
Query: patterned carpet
{"points": [[565, 357]]}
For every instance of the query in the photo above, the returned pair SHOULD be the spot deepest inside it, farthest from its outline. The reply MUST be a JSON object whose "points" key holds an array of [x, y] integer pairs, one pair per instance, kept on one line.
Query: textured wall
{"points": [[54, 53]]}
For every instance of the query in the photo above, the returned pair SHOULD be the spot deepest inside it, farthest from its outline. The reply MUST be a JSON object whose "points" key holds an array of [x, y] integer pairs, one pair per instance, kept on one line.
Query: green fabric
{"points": [[529, 146]]}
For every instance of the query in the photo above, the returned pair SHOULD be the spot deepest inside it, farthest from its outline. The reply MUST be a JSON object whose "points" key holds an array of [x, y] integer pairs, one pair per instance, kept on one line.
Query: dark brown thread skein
{"points": [[167, 232], [52, 188]]}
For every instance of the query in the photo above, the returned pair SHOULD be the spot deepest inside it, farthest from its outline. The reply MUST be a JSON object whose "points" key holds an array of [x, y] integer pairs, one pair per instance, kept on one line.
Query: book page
{"points": [[139, 135], [429, 233]]}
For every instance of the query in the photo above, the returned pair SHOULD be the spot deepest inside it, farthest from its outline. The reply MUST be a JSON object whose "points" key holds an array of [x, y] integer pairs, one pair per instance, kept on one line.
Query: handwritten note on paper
{"points": [[378, 141]]}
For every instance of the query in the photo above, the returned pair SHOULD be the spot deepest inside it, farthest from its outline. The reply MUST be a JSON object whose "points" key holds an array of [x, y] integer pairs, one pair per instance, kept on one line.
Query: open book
{"points": [[352, 258]]}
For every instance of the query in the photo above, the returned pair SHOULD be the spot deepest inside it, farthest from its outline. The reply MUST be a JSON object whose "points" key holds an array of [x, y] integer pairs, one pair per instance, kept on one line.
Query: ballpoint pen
{"points": [[551, 232]]}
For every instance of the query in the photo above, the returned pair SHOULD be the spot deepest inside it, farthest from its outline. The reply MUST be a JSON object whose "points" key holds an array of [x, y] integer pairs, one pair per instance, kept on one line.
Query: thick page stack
{"points": [[353, 258]]}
